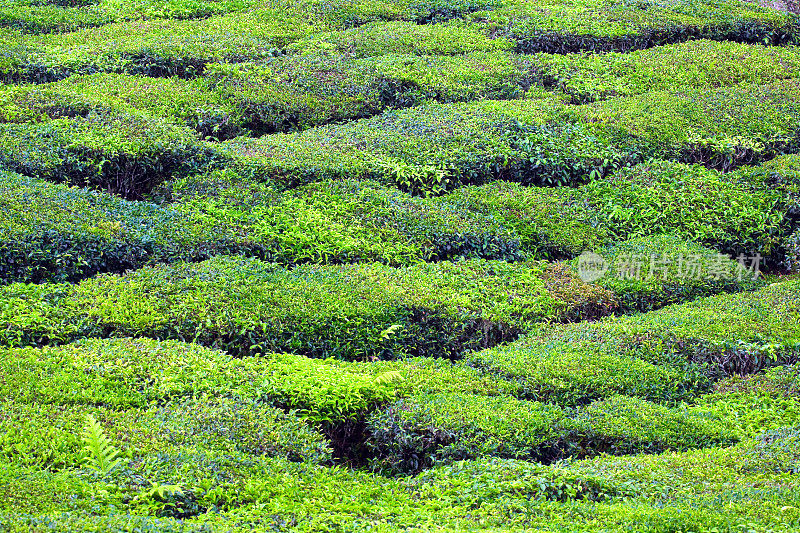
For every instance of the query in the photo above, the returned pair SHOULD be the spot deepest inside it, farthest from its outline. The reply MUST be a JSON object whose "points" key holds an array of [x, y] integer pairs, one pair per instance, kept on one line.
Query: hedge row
{"points": [[229, 455], [420, 431], [541, 141], [246, 306], [700, 341], [58, 17], [596, 26], [74, 233], [155, 48], [691, 65], [286, 94], [126, 154]]}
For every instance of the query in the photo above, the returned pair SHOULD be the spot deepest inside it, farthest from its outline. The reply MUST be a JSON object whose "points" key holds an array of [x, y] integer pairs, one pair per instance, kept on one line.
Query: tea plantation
{"points": [[409, 265]]}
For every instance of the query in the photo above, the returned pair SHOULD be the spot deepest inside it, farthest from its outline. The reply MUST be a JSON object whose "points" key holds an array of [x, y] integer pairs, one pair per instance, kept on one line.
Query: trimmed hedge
{"points": [[572, 373], [52, 232], [694, 203], [66, 15], [622, 425], [48, 436], [424, 430], [561, 27], [122, 153], [417, 432], [399, 37], [651, 272], [691, 65], [432, 148], [158, 47], [340, 221], [705, 339], [246, 306]]}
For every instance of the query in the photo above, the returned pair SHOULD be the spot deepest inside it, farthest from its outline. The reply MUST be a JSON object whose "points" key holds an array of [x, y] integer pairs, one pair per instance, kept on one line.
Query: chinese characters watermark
{"points": [[638, 266]]}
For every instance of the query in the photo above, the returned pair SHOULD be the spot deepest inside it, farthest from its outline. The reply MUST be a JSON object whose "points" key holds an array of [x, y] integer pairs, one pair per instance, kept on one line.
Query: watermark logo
{"points": [[592, 266], [631, 266]]}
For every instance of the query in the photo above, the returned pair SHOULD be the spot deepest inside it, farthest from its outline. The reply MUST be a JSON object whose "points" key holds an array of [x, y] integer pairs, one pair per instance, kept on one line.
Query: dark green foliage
{"points": [[597, 26], [774, 451], [247, 306], [693, 203], [432, 148], [694, 64], [723, 334], [572, 374], [551, 223]]}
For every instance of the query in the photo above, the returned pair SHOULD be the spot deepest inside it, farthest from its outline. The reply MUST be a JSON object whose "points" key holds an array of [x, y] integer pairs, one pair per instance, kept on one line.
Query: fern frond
{"points": [[100, 454]]}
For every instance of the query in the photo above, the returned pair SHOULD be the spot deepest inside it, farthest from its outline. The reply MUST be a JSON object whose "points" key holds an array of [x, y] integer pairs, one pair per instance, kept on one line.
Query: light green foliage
{"points": [[100, 454], [694, 64], [247, 306]]}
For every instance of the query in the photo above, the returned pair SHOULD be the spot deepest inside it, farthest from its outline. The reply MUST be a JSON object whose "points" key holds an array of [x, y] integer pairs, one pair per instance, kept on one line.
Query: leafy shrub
{"points": [[699, 64], [562, 27], [570, 374], [778, 381], [124, 154], [398, 37], [774, 451], [419, 431], [539, 141], [690, 202], [651, 272], [69, 15], [706, 338], [550, 223], [159, 47], [246, 306], [622, 425]]}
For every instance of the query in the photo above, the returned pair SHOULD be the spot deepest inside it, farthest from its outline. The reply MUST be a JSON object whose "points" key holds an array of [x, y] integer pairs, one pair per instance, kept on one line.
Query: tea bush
{"points": [[707, 338], [699, 64], [432, 148], [597, 26], [647, 273], [419, 431], [246, 306], [122, 153]]}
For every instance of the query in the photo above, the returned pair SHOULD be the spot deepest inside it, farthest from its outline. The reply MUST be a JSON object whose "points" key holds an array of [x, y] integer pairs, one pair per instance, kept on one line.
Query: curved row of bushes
{"points": [[247, 306], [74, 233], [301, 91], [541, 141]]}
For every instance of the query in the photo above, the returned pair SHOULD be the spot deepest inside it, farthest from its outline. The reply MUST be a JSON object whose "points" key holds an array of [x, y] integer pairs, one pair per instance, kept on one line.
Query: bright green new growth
{"points": [[100, 454]]}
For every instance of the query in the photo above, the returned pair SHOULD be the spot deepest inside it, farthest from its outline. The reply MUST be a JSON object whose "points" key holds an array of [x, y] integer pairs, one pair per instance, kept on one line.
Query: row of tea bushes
{"points": [[247, 306], [598, 26], [657, 492], [426, 149], [301, 91], [123, 153], [701, 341], [422, 430], [693, 64], [53, 232], [74, 233], [207, 444], [155, 48], [540, 141], [67, 15], [286, 94]]}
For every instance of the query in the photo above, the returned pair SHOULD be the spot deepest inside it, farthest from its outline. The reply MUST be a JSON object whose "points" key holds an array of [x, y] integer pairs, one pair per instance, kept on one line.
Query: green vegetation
{"points": [[247, 306], [420, 265]]}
